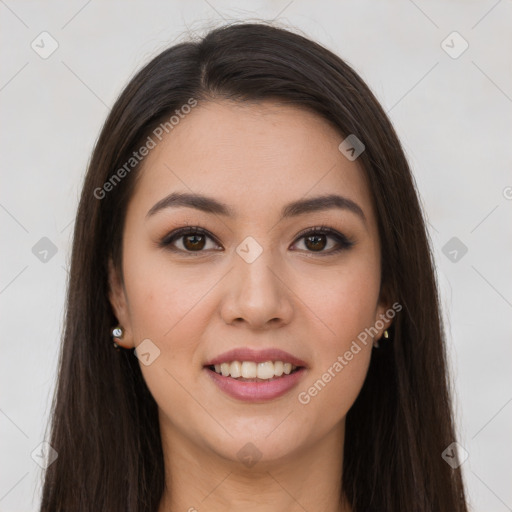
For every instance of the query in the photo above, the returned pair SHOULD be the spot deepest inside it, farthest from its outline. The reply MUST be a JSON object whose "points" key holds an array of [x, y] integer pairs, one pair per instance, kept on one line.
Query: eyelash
{"points": [[343, 241]]}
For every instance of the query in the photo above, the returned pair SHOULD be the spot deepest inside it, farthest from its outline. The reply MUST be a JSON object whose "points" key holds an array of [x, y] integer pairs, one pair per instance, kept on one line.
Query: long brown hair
{"points": [[104, 420]]}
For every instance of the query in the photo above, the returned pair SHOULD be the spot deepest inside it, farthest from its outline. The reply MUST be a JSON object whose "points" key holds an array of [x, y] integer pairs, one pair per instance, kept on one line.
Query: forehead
{"points": [[253, 156]]}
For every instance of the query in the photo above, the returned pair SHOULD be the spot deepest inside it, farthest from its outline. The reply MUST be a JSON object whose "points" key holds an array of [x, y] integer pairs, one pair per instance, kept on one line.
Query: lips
{"points": [[255, 375]]}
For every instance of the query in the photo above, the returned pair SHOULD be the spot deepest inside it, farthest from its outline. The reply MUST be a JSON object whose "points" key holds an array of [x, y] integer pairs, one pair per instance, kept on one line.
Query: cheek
{"points": [[172, 310], [172, 307], [342, 358], [345, 301], [163, 299]]}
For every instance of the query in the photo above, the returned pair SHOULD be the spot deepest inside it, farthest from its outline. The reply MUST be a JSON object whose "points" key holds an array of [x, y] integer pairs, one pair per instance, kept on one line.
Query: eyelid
{"points": [[323, 229]]}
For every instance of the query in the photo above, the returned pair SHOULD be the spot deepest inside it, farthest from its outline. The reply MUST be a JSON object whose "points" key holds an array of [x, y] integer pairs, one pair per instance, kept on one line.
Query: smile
{"points": [[255, 375]]}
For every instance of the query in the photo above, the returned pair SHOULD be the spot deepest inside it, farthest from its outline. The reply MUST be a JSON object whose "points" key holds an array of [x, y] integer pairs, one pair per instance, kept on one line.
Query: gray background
{"points": [[453, 116]]}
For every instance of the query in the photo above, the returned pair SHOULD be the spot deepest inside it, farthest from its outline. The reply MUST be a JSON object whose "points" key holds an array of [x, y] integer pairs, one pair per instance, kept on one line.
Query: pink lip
{"points": [[258, 356], [256, 391]]}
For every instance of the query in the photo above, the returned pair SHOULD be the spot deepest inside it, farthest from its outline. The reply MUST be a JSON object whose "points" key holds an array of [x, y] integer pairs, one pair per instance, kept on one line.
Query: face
{"points": [[245, 270]]}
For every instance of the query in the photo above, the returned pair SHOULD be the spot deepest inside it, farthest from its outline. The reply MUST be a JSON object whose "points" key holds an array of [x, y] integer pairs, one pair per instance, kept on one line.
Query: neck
{"points": [[197, 478]]}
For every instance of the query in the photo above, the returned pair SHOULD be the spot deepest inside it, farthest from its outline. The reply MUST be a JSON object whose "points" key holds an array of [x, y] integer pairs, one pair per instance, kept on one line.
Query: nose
{"points": [[256, 294]]}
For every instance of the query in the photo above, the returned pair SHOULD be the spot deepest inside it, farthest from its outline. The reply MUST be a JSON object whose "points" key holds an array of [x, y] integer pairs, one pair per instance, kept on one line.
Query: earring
{"points": [[385, 335], [117, 334]]}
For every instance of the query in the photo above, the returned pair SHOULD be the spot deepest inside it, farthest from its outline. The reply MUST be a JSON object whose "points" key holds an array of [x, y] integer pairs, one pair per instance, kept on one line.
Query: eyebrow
{"points": [[293, 209]]}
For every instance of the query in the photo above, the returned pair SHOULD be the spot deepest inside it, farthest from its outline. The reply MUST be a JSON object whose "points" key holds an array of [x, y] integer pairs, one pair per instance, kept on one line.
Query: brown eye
{"points": [[191, 239], [321, 240], [315, 242], [317, 239], [193, 242]]}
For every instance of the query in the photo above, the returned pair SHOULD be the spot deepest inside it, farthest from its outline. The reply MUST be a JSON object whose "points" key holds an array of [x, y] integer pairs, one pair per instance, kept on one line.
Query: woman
{"points": [[252, 314]]}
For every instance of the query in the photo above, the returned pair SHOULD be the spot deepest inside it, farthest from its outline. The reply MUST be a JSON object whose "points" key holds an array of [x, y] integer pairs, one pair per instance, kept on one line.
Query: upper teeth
{"points": [[252, 370]]}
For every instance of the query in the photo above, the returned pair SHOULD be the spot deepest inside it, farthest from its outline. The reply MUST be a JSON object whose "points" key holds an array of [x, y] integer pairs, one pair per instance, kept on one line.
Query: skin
{"points": [[256, 158]]}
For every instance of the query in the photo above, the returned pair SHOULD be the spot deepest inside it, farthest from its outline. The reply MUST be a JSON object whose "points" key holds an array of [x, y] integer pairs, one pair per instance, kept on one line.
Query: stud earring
{"points": [[385, 335], [117, 334]]}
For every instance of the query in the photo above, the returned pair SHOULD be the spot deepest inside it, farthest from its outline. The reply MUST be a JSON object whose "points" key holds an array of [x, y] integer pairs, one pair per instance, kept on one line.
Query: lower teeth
{"points": [[243, 379]]}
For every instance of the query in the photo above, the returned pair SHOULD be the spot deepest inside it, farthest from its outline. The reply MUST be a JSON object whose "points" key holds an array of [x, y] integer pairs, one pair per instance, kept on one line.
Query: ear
{"points": [[384, 314], [119, 303]]}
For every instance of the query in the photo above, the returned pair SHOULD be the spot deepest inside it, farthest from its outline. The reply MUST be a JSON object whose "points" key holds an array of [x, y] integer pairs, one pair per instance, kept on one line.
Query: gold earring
{"points": [[385, 335]]}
